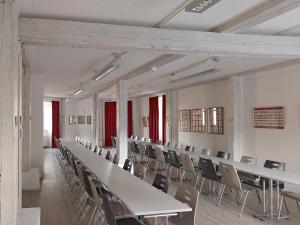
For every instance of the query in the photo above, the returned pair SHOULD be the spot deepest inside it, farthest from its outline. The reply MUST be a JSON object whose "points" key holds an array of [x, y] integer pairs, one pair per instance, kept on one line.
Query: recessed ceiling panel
{"points": [[129, 12], [213, 16]]}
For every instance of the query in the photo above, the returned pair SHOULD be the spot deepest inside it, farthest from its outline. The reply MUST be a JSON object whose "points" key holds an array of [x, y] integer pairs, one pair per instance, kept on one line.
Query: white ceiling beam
{"points": [[96, 35], [257, 15]]}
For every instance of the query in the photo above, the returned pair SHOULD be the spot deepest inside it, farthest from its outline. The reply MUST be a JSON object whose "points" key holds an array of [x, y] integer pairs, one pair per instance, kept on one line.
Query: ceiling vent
{"points": [[199, 6]]}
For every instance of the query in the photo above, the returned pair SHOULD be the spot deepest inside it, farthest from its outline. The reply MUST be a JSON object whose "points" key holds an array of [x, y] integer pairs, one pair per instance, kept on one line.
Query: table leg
{"points": [[271, 197]]}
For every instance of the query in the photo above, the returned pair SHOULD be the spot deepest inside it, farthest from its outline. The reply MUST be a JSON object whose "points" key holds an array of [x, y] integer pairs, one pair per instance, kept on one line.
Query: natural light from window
{"points": [[47, 124]]}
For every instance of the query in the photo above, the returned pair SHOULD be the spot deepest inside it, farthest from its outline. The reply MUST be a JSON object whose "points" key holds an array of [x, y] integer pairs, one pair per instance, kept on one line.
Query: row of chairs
{"points": [[168, 144], [96, 203]]}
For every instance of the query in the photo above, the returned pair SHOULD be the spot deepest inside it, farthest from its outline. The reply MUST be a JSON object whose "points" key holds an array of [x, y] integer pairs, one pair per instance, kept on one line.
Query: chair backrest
{"points": [[158, 142], [151, 152], [161, 182], [223, 155], [274, 165], [116, 159], [187, 163], [160, 155], [188, 195], [206, 151], [127, 165], [139, 171], [187, 148], [107, 155], [99, 152], [173, 159], [175, 145], [83, 176], [248, 160], [95, 149], [230, 176], [108, 211], [95, 193], [208, 169]]}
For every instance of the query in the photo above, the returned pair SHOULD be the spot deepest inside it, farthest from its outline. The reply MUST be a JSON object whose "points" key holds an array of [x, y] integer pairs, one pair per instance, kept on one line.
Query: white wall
{"points": [[214, 94], [37, 94], [275, 88], [84, 107]]}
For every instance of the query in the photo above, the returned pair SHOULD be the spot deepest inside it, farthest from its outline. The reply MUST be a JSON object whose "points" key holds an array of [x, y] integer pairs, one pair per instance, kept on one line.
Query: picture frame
{"points": [[269, 117], [215, 120], [88, 119], [72, 120], [145, 121], [185, 120], [199, 120], [81, 120]]}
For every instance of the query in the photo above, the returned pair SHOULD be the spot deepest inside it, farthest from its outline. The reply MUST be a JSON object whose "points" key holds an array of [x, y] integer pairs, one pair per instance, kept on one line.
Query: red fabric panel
{"points": [[55, 122], [129, 115], [110, 122], [153, 119], [164, 114]]}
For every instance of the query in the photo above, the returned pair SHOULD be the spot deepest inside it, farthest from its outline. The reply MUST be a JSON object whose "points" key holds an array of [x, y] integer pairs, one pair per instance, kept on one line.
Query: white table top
{"points": [[141, 198], [252, 169]]}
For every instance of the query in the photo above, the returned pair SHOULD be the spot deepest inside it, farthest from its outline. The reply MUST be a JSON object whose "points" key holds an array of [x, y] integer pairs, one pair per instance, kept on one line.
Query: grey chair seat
{"points": [[247, 187], [128, 221]]}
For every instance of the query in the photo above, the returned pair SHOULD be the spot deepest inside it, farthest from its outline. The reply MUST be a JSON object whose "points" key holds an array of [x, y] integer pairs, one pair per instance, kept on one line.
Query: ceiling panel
{"points": [[130, 12], [217, 14], [279, 24]]}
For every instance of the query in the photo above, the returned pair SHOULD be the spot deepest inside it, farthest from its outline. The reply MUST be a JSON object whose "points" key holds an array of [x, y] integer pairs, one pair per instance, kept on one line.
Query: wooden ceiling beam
{"points": [[256, 15], [63, 33]]}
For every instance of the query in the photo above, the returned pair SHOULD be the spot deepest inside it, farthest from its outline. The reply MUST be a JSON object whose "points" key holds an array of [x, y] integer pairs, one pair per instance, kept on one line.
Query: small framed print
{"points": [[199, 123], [185, 120], [81, 119], [145, 121], [215, 117], [269, 117], [72, 120], [88, 119]]}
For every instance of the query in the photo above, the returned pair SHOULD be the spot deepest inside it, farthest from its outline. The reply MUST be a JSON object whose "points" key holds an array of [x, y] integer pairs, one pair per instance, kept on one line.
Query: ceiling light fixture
{"points": [[78, 92], [67, 99], [106, 72], [201, 74], [199, 6]]}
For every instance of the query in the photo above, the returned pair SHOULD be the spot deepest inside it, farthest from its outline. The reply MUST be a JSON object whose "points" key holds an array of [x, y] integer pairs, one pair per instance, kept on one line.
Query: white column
{"points": [[137, 120], [241, 137], [26, 141], [99, 121], [172, 116], [10, 119], [122, 118]]}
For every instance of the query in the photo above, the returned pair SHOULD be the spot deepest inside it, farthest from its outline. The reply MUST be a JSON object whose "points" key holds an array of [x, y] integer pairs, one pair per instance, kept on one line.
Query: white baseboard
{"points": [[31, 180], [30, 216]]}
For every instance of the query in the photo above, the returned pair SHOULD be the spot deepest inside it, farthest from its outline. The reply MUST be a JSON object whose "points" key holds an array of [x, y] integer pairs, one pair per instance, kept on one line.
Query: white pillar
{"points": [[99, 121], [26, 145], [122, 120], [10, 114], [172, 116], [137, 120]]}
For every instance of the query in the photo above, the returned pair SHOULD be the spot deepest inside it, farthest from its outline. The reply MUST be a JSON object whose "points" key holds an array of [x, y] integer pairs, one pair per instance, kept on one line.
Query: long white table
{"points": [[141, 198], [271, 174]]}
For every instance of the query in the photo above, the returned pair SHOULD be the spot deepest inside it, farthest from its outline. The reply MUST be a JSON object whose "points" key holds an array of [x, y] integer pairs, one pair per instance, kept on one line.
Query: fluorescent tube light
{"points": [[106, 72], [78, 92], [199, 6], [67, 100]]}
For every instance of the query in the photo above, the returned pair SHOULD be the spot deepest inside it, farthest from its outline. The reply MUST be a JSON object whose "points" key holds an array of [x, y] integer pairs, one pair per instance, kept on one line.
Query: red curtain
{"points": [[153, 119], [55, 122], [110, 122], [130, 132], [164, 114]]}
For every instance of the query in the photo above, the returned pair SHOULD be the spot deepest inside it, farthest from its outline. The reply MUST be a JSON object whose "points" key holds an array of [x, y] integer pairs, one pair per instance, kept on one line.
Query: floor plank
{"points": [[57, 208]]}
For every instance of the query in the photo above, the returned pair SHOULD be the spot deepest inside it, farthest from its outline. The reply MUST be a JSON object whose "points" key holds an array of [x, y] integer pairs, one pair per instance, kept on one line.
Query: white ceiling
{"points": [[65, 70]]}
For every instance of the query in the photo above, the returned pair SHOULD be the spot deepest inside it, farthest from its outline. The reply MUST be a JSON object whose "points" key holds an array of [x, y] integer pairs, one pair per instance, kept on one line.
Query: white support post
{"points": [[122, 120], [99, 122], [10, 111], [172, 116]]}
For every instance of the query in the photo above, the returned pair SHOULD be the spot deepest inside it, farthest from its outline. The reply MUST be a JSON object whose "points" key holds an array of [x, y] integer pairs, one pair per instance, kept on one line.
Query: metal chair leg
{"points": [[221, 194], [286, 207], [200, 190], [245, 199], [280, 207]]}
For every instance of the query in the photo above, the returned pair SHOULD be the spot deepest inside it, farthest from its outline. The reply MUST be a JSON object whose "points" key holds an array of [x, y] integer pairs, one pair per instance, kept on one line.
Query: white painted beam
{"points": [[257, 15], [95, 35]]}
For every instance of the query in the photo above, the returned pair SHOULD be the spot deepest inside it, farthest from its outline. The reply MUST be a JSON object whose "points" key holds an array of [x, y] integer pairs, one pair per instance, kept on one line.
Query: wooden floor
{"points": [[57, 209]]}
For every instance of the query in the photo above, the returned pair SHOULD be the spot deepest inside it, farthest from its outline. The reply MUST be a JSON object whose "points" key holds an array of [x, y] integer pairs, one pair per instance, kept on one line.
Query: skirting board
{"points": [[30, 216], [31, 180]]}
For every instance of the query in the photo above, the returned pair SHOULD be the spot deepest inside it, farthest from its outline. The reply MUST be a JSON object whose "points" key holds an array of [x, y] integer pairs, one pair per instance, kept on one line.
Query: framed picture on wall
{"points": [[145, 121], [215, 120], [185, 120], [269, 117], [88, 119], [199, 123], [81, 119], [72, 120]]}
